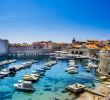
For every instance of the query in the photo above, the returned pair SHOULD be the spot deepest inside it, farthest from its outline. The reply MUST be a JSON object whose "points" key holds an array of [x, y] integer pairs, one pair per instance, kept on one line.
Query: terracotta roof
{"points": [[92, 46], [76, 46]]}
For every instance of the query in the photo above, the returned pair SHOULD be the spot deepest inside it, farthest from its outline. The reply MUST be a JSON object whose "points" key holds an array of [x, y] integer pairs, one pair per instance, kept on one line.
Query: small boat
{"points": [[12, 70], [73, 71], [103, 78], [30, 78], [1, 76], [4, 73], [46, 68], [25, 86], [88, 69], [69, 68], [38, 72]]}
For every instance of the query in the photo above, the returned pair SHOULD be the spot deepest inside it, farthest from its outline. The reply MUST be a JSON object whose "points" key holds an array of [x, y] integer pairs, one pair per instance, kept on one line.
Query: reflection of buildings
{"points": [[3, 47]]}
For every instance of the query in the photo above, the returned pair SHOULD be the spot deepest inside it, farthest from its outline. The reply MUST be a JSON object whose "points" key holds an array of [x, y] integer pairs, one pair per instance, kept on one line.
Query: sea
{"points": [[49, 87]]}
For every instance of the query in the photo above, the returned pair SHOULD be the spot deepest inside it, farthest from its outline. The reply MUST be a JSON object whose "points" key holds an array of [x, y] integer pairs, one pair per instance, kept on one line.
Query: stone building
{"points": [[85, 50], [104, 66], [25, 49], [4, 47]]}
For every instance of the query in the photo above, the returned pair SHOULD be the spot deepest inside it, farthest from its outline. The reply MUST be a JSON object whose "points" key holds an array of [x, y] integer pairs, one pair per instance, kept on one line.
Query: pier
{"points": [[6, 72], [94, 92]]}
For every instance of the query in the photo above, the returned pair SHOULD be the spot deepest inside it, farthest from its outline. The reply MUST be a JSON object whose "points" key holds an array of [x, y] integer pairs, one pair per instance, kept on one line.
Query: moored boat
{"points": [[25, 86]]}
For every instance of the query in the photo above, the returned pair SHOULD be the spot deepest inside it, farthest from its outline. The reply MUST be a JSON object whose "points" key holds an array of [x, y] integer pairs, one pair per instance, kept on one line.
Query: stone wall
{"points": [[4, 46], [104, 66]]}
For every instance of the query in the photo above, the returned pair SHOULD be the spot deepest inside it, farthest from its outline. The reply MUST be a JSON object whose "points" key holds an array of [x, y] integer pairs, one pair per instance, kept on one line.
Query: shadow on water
{"points": [[6, 95]]}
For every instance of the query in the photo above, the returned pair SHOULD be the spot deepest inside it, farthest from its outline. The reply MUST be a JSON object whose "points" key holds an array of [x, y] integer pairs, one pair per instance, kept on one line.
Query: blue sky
{"points": [[57, 20]]}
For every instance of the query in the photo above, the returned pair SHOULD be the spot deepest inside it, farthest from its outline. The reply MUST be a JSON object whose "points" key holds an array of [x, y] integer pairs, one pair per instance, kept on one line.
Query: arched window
{"points": [[72, 52], [81, 53], [76, 52]]}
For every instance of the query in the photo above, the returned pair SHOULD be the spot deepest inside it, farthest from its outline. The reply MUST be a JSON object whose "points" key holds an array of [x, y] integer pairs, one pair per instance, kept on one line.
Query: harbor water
{"points": [[49, 87]]}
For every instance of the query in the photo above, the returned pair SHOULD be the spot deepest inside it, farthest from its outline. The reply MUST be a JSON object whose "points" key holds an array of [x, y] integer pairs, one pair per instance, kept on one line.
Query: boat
{"points": [[92, 65], [25, 86], [12, 70], [30, 78], [103, 78], [4, 73], [46, 68], [1, 76], [88, 69], [38, 72], [71, 70], [72, 63]]}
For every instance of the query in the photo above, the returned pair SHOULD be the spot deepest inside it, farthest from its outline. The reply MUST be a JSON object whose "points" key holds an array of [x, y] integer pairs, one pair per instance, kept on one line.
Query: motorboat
{"points": [[92, 65], [71, 70], [38, 72], [4, 73], [12, 70], [72, 63], [88, 69], [30, 78], [50, 63], [25, 86], [46, 68]]}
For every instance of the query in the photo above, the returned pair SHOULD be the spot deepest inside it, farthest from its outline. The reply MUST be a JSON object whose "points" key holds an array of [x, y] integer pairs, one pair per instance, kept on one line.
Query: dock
{"points": [[6, 72], [77, 88], [94, 92]]}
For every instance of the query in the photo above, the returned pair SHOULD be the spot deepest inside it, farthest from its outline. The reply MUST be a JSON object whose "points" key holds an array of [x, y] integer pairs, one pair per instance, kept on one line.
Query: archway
{"points": [[80, 53], [76, 52], [72, 52]]}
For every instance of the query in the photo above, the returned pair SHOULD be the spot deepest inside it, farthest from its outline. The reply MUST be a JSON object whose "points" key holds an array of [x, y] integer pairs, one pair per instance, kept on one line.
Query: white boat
{"points": [[46, 68], [92, 65], [72, 63], [72, 70], [25, 86]]}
